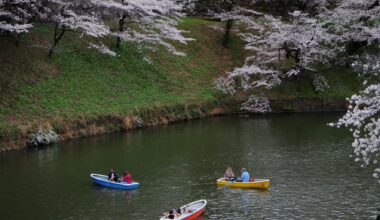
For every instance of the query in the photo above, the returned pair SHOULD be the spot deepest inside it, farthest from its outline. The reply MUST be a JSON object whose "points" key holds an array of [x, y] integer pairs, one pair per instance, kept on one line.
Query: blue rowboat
{"points": [[103, 181]]}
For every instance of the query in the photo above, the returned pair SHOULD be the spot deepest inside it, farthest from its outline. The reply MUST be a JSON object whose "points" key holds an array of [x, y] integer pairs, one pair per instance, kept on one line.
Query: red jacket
{"points": [[127, 179]]}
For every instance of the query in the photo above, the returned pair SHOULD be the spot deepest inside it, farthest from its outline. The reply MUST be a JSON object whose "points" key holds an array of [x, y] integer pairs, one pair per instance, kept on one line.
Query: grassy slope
{"points": [[79, 82]]}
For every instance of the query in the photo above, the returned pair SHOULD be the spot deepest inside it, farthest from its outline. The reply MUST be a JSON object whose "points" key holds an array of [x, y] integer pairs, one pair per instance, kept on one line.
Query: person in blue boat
{"points": [[245, 178], [127, 177], [112, 176]]}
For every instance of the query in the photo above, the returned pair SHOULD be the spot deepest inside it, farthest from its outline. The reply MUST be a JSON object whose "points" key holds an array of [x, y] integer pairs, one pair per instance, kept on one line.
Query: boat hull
{"points": [[102, 180], [190, 211], [257, 184], [195, 215]]}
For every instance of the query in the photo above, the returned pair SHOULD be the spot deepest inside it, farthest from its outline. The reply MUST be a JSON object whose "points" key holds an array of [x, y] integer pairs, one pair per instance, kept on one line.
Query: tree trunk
{"points": [[52, 49], [18, 38], [57, 38], [118, 42], [297, 56], [121, 28], [298, 83], [374, 5], [226, 38]]}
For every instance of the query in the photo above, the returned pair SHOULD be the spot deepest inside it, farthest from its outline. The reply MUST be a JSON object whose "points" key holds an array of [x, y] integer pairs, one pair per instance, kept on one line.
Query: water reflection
{"points": [[128, 194], [308, 165]]}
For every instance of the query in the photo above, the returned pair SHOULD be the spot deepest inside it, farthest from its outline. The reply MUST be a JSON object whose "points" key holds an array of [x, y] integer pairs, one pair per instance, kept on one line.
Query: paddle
{"points": [[229, 184]]}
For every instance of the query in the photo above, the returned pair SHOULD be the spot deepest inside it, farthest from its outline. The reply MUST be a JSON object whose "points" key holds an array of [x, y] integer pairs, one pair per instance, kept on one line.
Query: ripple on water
{"points": [[311, 175]]}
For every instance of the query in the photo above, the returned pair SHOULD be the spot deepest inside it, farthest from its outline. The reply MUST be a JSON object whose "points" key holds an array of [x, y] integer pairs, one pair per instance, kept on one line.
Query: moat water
{"points": [[308, 163]]}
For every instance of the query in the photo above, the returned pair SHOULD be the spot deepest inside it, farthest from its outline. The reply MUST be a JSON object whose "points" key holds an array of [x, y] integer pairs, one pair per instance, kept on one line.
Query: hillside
{"points": [[81, 88]]}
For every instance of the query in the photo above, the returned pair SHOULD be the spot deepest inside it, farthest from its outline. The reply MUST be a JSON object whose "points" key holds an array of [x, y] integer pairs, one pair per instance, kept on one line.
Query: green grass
{"points": [[79, 82]]}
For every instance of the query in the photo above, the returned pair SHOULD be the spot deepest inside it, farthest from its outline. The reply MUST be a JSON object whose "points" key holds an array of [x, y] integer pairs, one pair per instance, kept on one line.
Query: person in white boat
{"points": [[171, 214]]}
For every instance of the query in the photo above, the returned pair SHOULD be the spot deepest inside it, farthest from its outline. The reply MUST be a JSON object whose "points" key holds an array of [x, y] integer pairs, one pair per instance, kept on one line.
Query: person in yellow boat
{"points": [[229, 175], [245, 177]]}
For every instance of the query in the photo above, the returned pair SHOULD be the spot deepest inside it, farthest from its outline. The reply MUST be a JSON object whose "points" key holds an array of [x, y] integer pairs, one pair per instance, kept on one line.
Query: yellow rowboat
{"points": [[257, 184]]}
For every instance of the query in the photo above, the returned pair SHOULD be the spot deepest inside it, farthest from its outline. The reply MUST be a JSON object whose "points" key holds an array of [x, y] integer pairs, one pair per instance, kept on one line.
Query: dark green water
{"points": [[307, 162]]}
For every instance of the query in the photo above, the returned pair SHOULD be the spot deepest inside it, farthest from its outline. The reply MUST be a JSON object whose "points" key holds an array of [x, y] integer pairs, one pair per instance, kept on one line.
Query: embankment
{"points": [[80, 92], [91, 126]]}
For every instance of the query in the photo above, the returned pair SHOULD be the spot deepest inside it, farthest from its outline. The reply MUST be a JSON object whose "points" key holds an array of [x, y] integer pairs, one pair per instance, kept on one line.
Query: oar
{"points": [[229, 184]]}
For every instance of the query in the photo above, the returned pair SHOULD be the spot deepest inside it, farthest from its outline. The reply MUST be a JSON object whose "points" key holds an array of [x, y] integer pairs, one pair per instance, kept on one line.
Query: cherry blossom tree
{"points": [[363, 114], [16, 16], [345, 34], [363, 120], [285, 6], [230, 11], [357, 23], [145, 22], [311, 42], [270, 40], [78, 17], [256, 104], [189, 6]]}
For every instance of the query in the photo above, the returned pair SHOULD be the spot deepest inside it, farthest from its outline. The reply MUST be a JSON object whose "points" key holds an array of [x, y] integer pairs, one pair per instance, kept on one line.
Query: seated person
{"points": [[171, 214], [229, 175], [127, 177], [179, 212], [244, 175], [112, 176]]}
